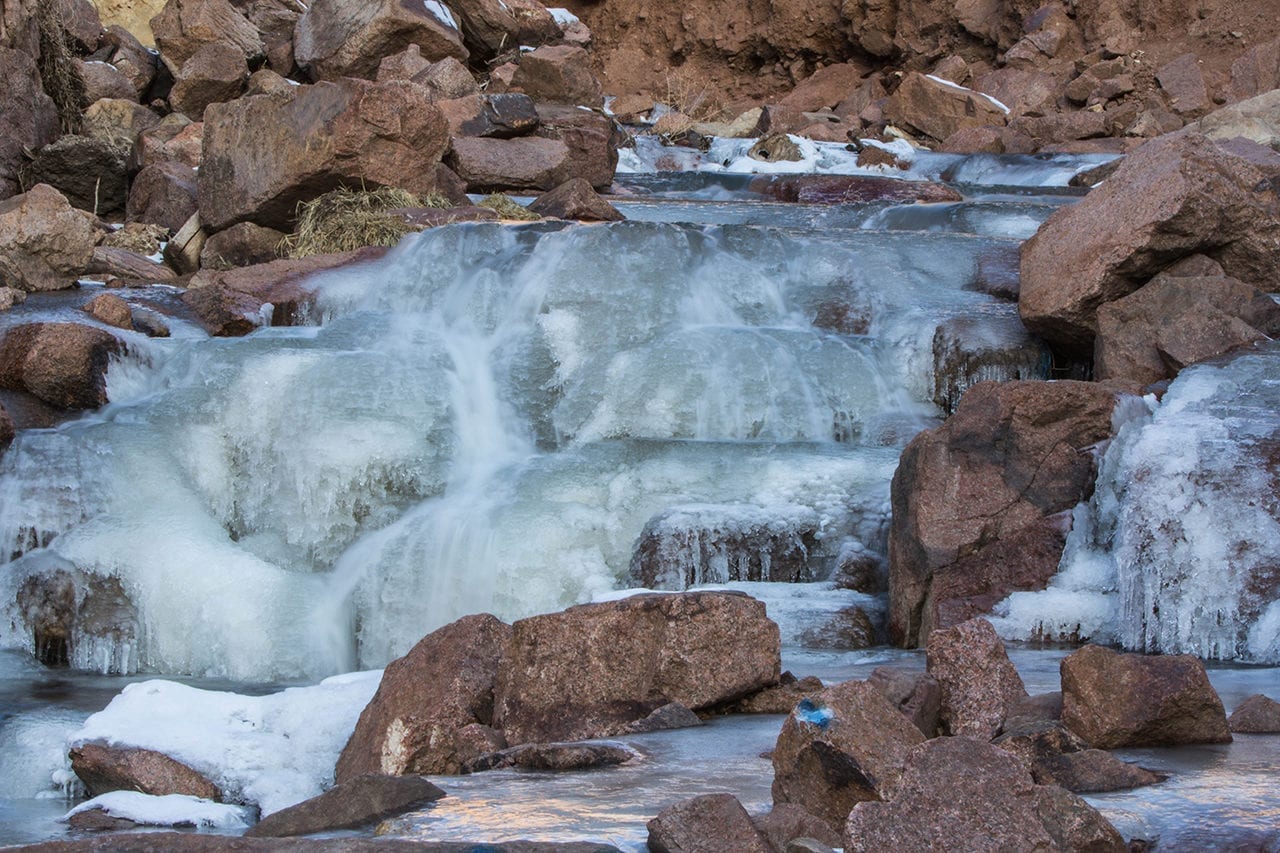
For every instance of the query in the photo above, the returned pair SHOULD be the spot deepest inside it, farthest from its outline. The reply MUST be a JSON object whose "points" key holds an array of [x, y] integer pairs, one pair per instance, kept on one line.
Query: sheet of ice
{"points": [[563, 17], [33, 754], [441, 13], [271, 751], [168, 810], [957, 87]]}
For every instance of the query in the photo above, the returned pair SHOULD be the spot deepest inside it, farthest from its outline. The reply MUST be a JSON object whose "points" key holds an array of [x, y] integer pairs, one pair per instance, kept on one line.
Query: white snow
{"points": [[273, 751], [169, 810], [441, 13], [563, 17], [968, 91]]}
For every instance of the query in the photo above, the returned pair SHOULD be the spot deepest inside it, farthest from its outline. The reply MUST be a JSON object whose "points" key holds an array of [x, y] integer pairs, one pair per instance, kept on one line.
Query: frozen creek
{"points": [[488, 420]]}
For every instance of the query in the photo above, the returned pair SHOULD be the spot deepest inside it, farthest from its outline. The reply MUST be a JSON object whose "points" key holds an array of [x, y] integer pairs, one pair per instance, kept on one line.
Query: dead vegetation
{"points": [[503, 205], [346, 219], [691, 96], [58, 72]]}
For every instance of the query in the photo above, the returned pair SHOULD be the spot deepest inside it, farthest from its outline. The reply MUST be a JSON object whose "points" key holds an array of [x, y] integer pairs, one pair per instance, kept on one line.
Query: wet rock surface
{"points": [[356, 802], [105, 768]]}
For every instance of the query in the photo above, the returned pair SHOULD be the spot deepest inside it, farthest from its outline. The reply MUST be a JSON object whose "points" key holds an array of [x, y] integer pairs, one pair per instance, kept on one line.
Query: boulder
{"points": [[1012, 455], [1258, 714], [554, 756], [448, 78], [968, 350], [110, 309], [1055, 756], [918, 695], [163, 194], [337, 39], [850, 189], [91, 173], [185, 26], [959, 793], [501, 116], [404, 65], [561, 74], [825, 87], [672, 715], [264, 154], [979, 683], [11, 296], [215, 73], [494, 27], [711, 823], [701, 649], [347, 805], [103, 80], [44, 242], [118, 122], [63, 364], [29, 119], [130, 57], [1183, 82], [1173, 197], [81, 24], [276, 21], [112, 262], [105, 768], [1115, 700], [1256, 71], [591, 137], [939, 109], [175, 138], [844, 747], [427, 714], [575, 199], [1176, 320], [787, 822], [230, 303], [242, 245], [781, 698], [527, 163]]}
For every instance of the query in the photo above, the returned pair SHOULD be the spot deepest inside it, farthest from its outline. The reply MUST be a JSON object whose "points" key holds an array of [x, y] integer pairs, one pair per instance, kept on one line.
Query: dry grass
{"points": [[689, 94], [347, 219], [508, 209], [58, 74]]}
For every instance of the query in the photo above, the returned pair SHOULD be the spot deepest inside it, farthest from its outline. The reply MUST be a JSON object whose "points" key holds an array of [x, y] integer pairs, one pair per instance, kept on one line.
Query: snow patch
{"points": [[169, 810], [441, 13], [564, 17], [957, 87]]}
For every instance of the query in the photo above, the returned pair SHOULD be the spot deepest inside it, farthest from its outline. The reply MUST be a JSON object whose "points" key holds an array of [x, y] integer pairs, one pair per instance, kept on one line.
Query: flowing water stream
{"points": [[492, 417]]}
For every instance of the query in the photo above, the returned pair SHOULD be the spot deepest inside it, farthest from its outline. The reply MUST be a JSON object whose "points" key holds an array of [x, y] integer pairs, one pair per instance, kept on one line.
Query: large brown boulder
{"points": [[107, 768], [1056, 756], [185, 26], [91, 173], [44, 242], [1011, 456], [711, 823], [959, 793], [844, 747], [592, 669], [103, 80], [979, 683], [592, 140], [29, 119], [916, 694], [163, 194], [560, 74], [493, 27], [431, 704], [215, 73], [575, 199], [243, 244], [264, 154], [1116, 700], [1174, 320], [130, 57], [335, 38], [63, 364], [939, 109], [1258, 714], [1173, 197], [118, 121], [347, 805], [526, 163]]}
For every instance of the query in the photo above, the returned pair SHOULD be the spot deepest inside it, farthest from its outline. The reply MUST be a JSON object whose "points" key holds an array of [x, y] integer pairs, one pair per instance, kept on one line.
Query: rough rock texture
{"points": [[700, 649], [1172, 197], [492, 27], [1113, 700], [592, 140], [1256, 119], [106, 768], [63, 364], [1013, 454], [850, 189], [1055, 756], [109, 261], [103, 80], [918, 695], [1258, 714], [938, 109], [781, 698], [711, 823], [44, 242], [110, 309], [348, 804], [968, 350], [28, 120], [842, 748], [575, 199], [786, 822], [91, 173], [335, 38], [176, 137], [502, 116], [424, 717], [118, 121], [979, 682], [185, 26], [1174, 320], [560, 74], [527, 163], [555, 756], [215, 73], [264, 154], [130, 57], [229, 303], [243, 244], [163, 194], [958, 793]]}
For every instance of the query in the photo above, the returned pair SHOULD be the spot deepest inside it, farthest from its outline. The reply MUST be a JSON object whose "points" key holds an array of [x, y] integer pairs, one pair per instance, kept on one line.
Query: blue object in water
{"points": [[810, 712]]}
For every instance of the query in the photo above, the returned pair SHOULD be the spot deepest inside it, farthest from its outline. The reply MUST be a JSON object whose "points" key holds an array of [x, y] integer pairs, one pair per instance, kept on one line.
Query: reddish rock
{"points": [[118, 121], [185, 26], [592, 140], [63, 364], [850, 189], [560, 74], [1256, 71], [242, 245], [1055, 756], [448, 78], [44, 242], [107, 768], [230, 303], [81, 23], [1258, 714], [425, 715], [575, 199], [1183, 82], [276, 21], [337, 39], [494, 27], [130, 58], [215, 73], [527, 163], [825, 88], [939, 109], [103, 80], [979, 683], [163, 194], [1013, 454], [1115, 700], [781, 698], [1174, 320], [968, 350], [29, 119], [842, 748], [502, 116], [264, 154], [786, 822], [700, 649], [1061, 127], [175, 138], [347, 805], [1029, 93], [110, 309], [114, 262], [958, 793], [918, 695], [91, 173], [711, 823], [1170, 198], [403, 65]]}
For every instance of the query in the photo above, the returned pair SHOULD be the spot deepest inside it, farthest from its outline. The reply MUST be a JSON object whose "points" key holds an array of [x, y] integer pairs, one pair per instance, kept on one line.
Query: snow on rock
{"points": [[563, 17], [169, 810], [442, 14], [272, 751], [1001, 107]]}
